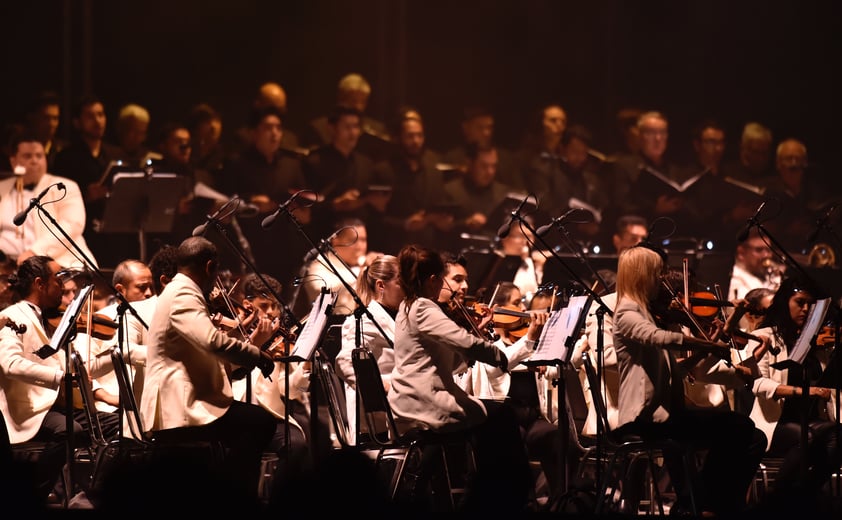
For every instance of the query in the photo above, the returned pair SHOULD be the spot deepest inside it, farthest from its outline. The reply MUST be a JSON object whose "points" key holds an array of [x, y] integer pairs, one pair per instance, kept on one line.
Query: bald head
{"points": [[271, 94]]}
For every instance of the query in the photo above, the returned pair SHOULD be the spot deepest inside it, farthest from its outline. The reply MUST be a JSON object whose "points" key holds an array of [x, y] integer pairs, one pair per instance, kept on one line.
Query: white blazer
{"points": [[186, 382], [29, 385], [68, 209]]}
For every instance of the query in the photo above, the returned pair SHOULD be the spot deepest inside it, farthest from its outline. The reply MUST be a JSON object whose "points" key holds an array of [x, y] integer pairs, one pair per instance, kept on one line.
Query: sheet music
{"points": [[69, 318], [815, 318], [552, 346], [311, 334]]}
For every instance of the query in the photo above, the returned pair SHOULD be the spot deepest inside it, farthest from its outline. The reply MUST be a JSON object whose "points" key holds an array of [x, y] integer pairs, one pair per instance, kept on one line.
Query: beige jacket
{"points": [[29, 385]]}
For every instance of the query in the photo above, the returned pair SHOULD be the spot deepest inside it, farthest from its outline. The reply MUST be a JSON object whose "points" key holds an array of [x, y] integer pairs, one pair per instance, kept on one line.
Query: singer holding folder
{"points": [[22, 232]]}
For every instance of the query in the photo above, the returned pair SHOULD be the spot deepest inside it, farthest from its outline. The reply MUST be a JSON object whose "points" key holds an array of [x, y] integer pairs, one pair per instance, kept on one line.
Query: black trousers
{"points": [[734, 449]]}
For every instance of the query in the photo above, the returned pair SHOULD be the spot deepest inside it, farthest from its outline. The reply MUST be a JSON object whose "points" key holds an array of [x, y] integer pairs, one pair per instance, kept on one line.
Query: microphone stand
{"points": [[600, 341], [561, 398], [289, 317], [359, 310], [68, 378]]}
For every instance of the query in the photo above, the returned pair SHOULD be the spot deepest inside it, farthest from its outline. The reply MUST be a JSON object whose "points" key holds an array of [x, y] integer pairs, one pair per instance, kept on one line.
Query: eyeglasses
{"points": [[185, 146]]}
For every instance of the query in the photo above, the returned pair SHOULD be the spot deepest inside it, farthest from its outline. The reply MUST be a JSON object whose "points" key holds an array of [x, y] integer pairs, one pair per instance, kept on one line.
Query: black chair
{"points": [[419, 465]]}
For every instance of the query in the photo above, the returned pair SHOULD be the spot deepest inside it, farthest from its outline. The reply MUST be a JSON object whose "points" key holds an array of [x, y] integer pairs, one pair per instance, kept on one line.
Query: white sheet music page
{"points": [[69, 318], [552, 346], [815, 319], [308, 340]]}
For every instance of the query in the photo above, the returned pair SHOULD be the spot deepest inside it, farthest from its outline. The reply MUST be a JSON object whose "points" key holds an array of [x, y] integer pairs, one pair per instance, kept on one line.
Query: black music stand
{"points": [[561, 274], [554, 348], [307, 348], [143, 203], [489, 268]]}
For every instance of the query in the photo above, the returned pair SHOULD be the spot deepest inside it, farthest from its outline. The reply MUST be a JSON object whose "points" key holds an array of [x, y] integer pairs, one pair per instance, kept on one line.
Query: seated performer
{"points": [[187, 395], [652, 401]]}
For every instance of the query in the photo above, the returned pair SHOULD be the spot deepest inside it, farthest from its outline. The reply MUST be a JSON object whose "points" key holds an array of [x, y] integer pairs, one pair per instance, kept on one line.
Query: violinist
{"points": [[524, 387], [476, 319], [779, 406], [430, 351], [379, 289], [652, 401], [133, 280], [291, 438], [29, 385], [187, 395]]}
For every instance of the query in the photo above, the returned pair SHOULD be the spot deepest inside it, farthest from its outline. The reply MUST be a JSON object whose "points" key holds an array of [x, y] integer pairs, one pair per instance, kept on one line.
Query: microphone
{"points": [[313, 253], [270, 219], [743, 234], [821, 222], [20, 217], [503, 232], [200, 229], [543, 230]]}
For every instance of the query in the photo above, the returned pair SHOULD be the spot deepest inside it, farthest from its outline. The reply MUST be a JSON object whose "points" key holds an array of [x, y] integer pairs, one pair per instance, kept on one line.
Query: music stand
{"points": [[143, 203], [557, 273], [487, 268], [555, 346]]}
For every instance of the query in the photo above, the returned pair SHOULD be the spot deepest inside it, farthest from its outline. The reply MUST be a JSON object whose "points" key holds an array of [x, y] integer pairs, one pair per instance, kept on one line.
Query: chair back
{"points": [[371, 398], [334, 394]]}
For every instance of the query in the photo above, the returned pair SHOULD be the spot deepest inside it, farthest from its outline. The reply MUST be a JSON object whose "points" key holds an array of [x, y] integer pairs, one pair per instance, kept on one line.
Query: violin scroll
{"points": [[18, 328]]}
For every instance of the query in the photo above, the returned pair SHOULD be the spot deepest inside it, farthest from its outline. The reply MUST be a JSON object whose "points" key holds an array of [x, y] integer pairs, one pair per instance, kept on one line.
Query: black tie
{"points": [[29, 187]]}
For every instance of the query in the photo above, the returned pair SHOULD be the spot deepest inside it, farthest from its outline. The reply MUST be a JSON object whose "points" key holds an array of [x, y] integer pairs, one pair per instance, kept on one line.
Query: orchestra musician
{"points": [[778, 405], [379, 289], [430, 348], [290, 409], [524, 387], [31, 388], [187, 394], [652, 401]]}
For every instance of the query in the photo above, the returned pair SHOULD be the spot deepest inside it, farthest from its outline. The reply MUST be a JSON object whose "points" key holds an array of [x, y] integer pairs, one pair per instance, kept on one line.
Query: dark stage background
{"points": [[774, 62]]}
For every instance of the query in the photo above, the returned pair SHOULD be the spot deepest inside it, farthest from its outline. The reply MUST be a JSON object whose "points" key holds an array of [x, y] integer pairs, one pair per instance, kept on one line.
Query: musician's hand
{"points": [[761, 349], [348, 201], [263, 202], [441, 221], [262, 331], [378, 200], [820, 392], [476, 221], [536, 323]]}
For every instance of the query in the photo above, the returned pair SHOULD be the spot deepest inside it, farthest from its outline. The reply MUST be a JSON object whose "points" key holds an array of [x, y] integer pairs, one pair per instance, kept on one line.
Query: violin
{"points": [[826, 338], [468, 317], [100, 326], [513, 320]]}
